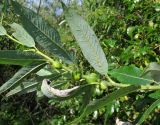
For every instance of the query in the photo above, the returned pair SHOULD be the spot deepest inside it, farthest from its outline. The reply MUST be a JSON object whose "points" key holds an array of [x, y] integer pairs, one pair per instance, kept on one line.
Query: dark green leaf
{"points": [[154, 70], [16, 57], [148, 111], [87, 41], [20, 75], [46, 36], [25, 87], [22, 35], [99, 103], [86, 97], [130, 75]]}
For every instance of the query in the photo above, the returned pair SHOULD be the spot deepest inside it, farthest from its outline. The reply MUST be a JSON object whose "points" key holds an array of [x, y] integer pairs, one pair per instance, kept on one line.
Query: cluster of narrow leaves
{"points": [[37, 31], [47, 37]]}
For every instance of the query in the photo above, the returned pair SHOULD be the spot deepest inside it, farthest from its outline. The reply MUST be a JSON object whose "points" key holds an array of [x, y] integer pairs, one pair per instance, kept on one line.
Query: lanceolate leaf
{"points": [[155, 95], [154, 70], [25, 87], [23, 37], [99, 103], [2, 30], [130, 75], [86, 98], [20, 75], [148, 111], [46, 36], [87, 41], [16, 57]]}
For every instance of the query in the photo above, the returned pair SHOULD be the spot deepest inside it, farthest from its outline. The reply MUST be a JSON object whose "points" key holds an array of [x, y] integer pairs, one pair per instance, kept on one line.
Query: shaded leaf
{"points": [[20, 75], [130, 75], [154, 70], [148, 111], [99, 103], [22, 35], [86, 97], [16, 57], [87, 41], [25, 87], [45, 35], [2, 30]]}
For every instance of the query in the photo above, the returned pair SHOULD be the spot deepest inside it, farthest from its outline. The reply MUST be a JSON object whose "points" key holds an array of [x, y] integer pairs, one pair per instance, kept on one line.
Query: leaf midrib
{"points": [[136, 77], [43, 32]]}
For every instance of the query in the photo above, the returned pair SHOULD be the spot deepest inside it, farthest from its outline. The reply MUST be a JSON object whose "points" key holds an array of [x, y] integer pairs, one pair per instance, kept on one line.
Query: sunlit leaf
{"points": [[16, 57], [22, 35], [87, 41], [155, 95], [45, 35], [20, 75], [130, 75]]}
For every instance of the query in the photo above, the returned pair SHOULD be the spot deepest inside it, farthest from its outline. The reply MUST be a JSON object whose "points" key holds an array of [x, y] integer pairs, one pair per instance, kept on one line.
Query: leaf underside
{"points": [[22, 35], [45, 35], [87, 41]]}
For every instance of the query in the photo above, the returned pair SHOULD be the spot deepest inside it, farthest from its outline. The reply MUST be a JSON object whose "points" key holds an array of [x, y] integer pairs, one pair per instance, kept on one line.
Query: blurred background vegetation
{"points": [[129, 32]]}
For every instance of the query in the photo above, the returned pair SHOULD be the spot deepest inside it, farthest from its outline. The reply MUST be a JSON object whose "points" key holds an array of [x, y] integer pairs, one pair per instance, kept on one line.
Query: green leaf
{"points": [[45, 35], [25, 87], [22, 35], [86, 97], [87, 41], [16, 57], [155, 95], [100, 103], [148, 111], [130, 75], [154, 70], [2, 30], [20, 75]]}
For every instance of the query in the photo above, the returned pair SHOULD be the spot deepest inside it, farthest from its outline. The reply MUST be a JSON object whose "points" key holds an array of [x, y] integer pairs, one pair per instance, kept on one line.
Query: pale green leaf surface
{"points": [[2, 30], [148, 111], [87, 41], [20, 75], [130, 75], [154, 70], [45, 35], [22, 35], [100, 103], [44, 72], [16, 57]]}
